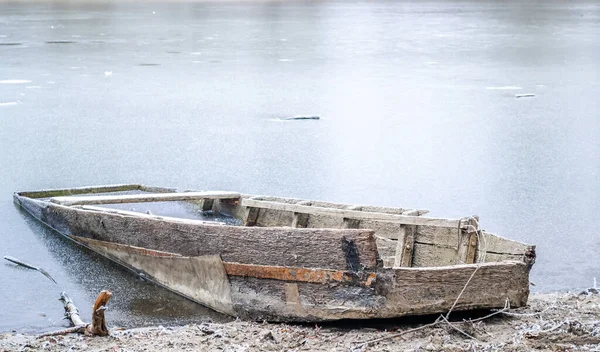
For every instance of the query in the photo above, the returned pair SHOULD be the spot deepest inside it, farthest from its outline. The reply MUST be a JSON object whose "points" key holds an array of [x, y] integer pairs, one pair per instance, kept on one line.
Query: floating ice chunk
{"points": [[285, 60], [526, 95], [504, 88], [9, 103], [107, 73], [14, 81], [301, 117], [33, 87]]}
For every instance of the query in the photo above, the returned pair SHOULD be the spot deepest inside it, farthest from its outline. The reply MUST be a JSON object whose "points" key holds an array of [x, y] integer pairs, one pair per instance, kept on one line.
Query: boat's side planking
{"points": [[320, 248], [279, 293]]}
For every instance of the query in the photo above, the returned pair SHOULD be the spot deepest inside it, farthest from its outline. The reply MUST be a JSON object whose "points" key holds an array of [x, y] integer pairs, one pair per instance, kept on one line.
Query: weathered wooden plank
{"points": [[148, 216], [201, 278], [153, 189], [495, 257], [426, 255], [141, 198], [495, 248], [389, 262], [251, 216], [468, 243], [386, 248], [292, 296], [434, 289], [80, 190], [353, 214], [471, 253], [321, 276], [367, 208], [438, 236], [207, 204], [492, 243], [312, 248], [109, 247], [325, 221], [275, 300], [300, 220], [462, 256], [274, 218], [32, 206], [414, 212], [401, 245], [405, 247], [351, 223], [395, 292], [385, 229]]}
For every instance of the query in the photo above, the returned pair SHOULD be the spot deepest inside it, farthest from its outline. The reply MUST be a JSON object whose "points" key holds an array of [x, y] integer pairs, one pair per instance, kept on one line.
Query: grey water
{"points": [[417, 105]]}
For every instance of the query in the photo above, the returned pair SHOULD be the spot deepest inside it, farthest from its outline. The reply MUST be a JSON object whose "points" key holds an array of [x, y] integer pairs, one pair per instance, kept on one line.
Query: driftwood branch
{"points": [[66, 331], [71, 311], [98, 325], [29, 266], [361, 345]]}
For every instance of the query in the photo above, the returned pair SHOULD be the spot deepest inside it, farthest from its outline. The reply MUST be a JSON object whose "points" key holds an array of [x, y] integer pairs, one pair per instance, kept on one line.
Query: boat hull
{"points": [[281, 274]]}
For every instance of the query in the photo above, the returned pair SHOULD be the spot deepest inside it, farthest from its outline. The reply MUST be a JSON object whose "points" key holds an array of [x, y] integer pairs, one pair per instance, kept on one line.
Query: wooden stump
{"points": [[98, 325]]}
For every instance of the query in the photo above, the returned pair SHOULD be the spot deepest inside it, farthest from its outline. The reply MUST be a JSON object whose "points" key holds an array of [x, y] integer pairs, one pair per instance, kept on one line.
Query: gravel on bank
{"points": [[551, 322]]}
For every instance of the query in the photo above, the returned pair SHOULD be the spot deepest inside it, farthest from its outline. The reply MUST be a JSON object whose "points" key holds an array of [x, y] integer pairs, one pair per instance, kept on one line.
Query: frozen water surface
{"points": [[408, 118]]}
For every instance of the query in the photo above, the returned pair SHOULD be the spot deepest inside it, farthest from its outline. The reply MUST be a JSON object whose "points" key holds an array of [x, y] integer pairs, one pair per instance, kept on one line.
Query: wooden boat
{"points": [[284, 259]]}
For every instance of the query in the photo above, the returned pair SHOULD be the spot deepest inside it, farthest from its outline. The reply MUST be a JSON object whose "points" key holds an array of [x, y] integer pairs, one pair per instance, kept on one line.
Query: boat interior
{"points": [[405, 237]]}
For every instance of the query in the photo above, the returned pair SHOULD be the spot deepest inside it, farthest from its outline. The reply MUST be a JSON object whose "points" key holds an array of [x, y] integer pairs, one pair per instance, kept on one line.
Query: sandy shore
{"points": [[551, 322]]}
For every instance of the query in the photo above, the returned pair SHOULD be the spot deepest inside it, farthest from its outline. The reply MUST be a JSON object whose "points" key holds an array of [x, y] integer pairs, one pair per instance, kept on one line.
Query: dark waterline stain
{"points": [[352, 257], [10, 44], [60, 42]]}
